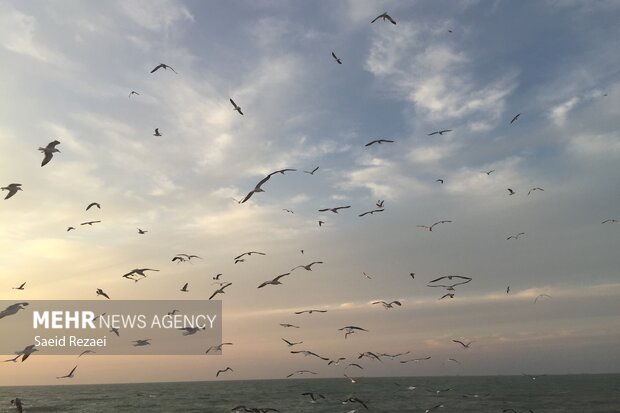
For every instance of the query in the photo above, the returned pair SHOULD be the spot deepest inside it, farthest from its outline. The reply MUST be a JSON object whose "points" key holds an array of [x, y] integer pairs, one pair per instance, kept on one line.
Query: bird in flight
{"points": [[70, 229], [218, 347], [389, 305], [355, 400], [371, 212], [449, 295], [141, 343], [18, 404], [86, 352], [515, 236], [450, 277], [102, 293], [540, 296], [13, 309], [334, 210], [384, 17], [258, 188], [465, 345], [321, 223], [515, 118], [164, 66], [68, 376], [291, 344], [138, 271], [313, 396], [92, 204], [48, 151], [142, 231], [12, 188], [90, 223], [379, 141], [184, 288], [308, 353], [510, 191], [223, 371], [275, 281], [613, 221], [313, 171], [236, 107], [133, 92], [351, 330], [440, 132], [416, 360], [535, 189], [489, 172], [367, 276], [310, 311], [21, 287], [286, 325], [379, 203], [157, 132], [220, 290], [336, 58], [288, 210], [430, 227], [300, 372], [249, 253], [508, 290], [439, 180], [307, 267]]}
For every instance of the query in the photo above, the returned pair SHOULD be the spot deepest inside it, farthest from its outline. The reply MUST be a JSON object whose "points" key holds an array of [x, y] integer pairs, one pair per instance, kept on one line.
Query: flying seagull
{"points": [[92, 204], [218, 347], [489, 172], [510, 191], [321, 223], [142, 231], [115, 331], [157, 132], [12, 188], [217, 276], [440, 132], [450, 277], [102, 293], [449, 295], [313, 171], [379, 203], [164, 66], [223, 371], [307, 267], [288, 210], [433, 408], [138, 271], [393, 356], [21, 287], [535, 189], [515, 118], [465, 345], [355, 400], [416, 360], [275, 281], [351, 330], [236, 107], [70, 229], [384, 17], [310, 311], [541, 295], [18, 404], [249, 253], [430, 227], [336, 58], [515, 236], [258, 188], [286, 325], [300, 372], [379, 141], [334, 210], [184, 288], [313, 396], [308, 353], [439, 180], [26, 352], [389, 305], [133, 92], [366, 275], [48, 151], [12, 309], [220, 290], [613, 221], [90, 223], [86, 352], [141, 343], [291, 344], [371, 212], [68, 376]]}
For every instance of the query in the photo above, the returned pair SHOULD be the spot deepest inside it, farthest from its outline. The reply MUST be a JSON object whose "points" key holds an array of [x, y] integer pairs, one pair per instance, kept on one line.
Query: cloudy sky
{"points": [[469, 66]]}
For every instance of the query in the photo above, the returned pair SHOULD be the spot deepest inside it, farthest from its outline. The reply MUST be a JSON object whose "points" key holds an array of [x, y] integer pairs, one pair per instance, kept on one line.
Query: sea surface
{"points": [[544, 394]]}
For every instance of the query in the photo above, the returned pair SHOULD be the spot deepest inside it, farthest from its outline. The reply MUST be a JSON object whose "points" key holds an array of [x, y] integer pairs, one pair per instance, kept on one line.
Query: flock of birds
{"points": [[448, 283]]}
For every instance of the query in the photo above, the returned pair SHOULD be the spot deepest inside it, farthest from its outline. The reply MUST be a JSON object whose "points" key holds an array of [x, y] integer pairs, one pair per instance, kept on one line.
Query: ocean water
{"points": [[545, 394]]}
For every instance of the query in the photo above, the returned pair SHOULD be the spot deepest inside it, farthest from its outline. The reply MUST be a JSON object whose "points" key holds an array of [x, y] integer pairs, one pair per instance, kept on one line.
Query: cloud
{"points": [[156, 15]]}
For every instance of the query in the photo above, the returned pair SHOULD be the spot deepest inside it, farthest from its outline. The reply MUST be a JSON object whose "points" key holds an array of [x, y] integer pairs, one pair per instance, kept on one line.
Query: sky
{"points": [[471, 66]]}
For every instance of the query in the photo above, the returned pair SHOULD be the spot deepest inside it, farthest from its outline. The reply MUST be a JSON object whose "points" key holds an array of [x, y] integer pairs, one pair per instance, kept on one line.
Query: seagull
{"points": [[353, 381], [223, 371], [48, 151], [291, 344], [379, 203], [450, 277], [440, 132], [515, 118], [173, 312], [184, 288], [370, 355], [12, 188], [355, 400], [439, 180], [535, 189], [92, 204], [308, 353], [433, 408], [138, 271], [334, 210], [115, 331], [236, 107], [336, 58], [288, 210], [70, 229], [515, 236], [141, 343], [217, 276], [300, 372], [354, 365], [258, 188], [21, 287], [310, 311], [384, 17], [220, 290], [379, 141], [102, 293], [285, 325], [313, 171], [351, 330], [454, 360], [12, 309], [336, 362], [18, 404], [321, 223], [86, 352], [541, 295], [275, 281], [141, 231], [367, 276], [313, 396], [464, 344], [412, 275], [68, 376], [133, 92], [188, 257], [416, 360], [393, 356], [307, 267], [179, 259], [164, 66], [449, 295], [188, 331], [510, 191], [249, 253], [508, 290], [613, 221], [489, 172], [218, 347], [371, 212], [430, 227], [388, 305], [90, 223], [157, 133]]}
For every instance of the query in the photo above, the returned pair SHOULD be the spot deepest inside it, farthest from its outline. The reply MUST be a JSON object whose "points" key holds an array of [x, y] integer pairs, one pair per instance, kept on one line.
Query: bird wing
{"points": [[159, 66], [48, 157], [370, 143], [233, 103]]}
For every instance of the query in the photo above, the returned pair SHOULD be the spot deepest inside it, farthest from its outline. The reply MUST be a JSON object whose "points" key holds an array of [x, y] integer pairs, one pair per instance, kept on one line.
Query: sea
{"points": [[598, 393]]}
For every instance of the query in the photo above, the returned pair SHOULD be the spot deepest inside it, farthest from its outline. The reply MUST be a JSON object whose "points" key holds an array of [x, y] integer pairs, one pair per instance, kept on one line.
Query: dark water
{"points": [[545, 394]]}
